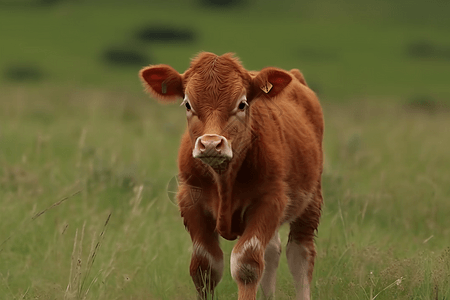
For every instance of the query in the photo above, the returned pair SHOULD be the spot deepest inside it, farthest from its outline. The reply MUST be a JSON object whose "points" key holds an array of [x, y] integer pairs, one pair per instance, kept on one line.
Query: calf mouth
{"points": [[213, 160], [219, 163]]}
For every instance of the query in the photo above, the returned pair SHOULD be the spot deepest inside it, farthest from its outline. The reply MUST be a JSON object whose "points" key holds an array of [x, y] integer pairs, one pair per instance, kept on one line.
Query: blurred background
{"points": [[86, 156], [347, 49]]}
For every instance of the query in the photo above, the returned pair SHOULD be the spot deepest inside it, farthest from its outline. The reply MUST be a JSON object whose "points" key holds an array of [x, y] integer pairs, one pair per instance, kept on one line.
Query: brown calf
{"points": [[249, 161]]}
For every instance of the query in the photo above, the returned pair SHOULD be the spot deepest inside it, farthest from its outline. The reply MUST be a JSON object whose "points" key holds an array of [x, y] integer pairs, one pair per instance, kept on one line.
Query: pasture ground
{"points": [[384, 229]]}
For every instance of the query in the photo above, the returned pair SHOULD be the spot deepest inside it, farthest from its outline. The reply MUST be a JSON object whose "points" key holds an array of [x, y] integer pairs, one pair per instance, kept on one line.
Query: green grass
{"points": [[385, 184], [85, 145]]}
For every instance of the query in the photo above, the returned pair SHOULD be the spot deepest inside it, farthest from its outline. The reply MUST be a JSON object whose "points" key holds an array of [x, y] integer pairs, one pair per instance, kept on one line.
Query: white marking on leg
{"points": [[271, 258], [253, 243], [215, 264], [298, 260], [236, 256]]}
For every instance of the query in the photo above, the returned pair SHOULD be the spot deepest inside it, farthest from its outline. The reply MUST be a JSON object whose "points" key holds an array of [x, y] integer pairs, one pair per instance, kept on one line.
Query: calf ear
{"points": [[297, 74], [271, 81], [163, 82]]}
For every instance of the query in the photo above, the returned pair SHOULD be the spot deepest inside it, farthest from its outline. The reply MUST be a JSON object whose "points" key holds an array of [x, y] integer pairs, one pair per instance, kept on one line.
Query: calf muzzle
{"points": [[212, 149]]}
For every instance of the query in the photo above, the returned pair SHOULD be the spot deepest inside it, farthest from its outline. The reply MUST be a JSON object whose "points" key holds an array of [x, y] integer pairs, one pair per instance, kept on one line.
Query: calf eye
{"points": [[188, 106], [242, 105]]}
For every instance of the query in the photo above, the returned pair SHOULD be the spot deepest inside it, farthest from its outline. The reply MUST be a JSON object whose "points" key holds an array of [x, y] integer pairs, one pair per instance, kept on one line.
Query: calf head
{"points": [[217, 95]]}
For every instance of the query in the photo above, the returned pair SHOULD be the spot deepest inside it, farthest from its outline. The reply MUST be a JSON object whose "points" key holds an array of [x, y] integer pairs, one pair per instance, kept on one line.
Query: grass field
{"points": [[85, 156]]}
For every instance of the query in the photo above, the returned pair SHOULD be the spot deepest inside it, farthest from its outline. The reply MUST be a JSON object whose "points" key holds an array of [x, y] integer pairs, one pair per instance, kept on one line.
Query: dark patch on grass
{"points": [[424, 103], [23, 72], [421, 49], [32, 3], [124, 56], [425, 49]]}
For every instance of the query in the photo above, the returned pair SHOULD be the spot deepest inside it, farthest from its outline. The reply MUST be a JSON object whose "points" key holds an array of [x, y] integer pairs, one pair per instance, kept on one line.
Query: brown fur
{"points": [[275, 173]]}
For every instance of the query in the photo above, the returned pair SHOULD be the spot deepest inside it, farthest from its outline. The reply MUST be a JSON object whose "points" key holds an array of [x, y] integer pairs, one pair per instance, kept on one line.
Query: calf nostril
{"points": [[206, 145], [202, 146], [219, 146]]}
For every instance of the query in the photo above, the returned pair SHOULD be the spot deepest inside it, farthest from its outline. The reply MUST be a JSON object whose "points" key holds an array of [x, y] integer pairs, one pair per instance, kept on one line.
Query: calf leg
{"points": [[206, 269], [300, 250], [271, 259], [301, 263], [207, 258], [247, 257]]}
